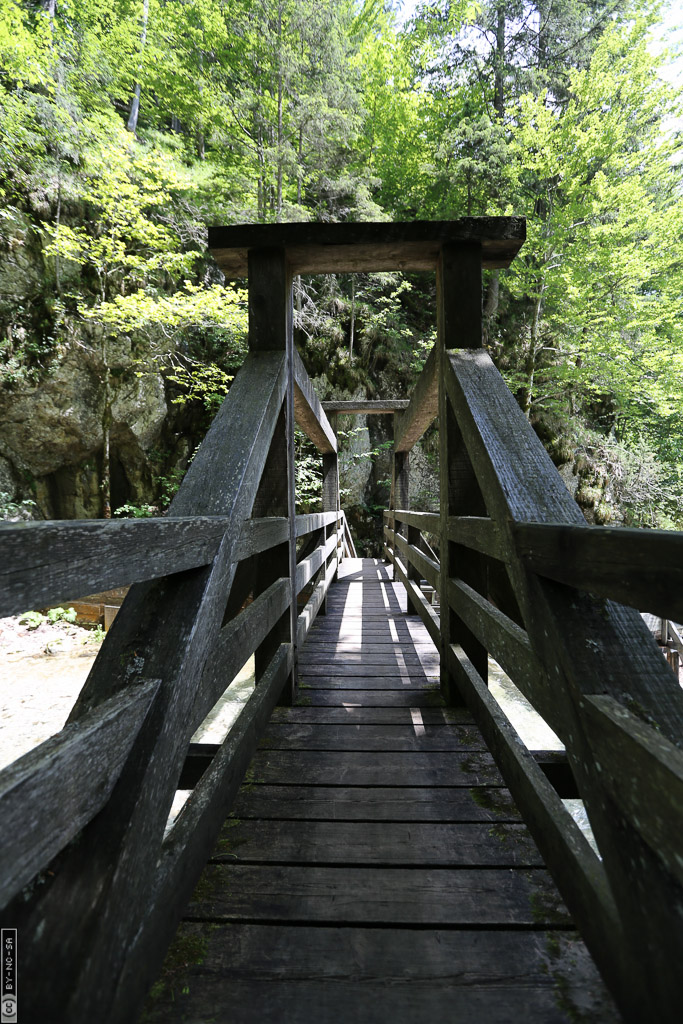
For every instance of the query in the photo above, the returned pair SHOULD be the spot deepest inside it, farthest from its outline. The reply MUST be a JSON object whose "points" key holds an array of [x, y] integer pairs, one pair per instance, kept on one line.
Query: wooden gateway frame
{"points": [[88, 874]]}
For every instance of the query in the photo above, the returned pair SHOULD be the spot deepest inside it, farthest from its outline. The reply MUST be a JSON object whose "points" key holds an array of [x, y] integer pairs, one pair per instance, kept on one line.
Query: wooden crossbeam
{"points": [[370, 407], [357, 247]]}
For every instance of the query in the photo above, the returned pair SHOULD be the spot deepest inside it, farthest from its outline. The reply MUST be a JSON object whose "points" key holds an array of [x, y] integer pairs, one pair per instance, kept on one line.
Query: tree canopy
{"points": [[127, 127]]}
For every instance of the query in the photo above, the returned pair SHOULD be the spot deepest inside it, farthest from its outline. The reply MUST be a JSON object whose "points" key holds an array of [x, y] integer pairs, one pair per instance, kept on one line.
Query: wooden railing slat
{"points": [[424, 406], [308, 614], [194, 834], [308, 567], [236, 642], [48, 563], [643, 772], [420, 603], [428, 521], [510, 647], [428, 569], [164, 629], [641, 568], [576, 869], [513, 468], [478, 533], [49, 794], [308, 411]]}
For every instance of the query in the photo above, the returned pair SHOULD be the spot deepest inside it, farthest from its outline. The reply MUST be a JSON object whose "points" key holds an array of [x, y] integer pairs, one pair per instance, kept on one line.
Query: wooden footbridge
{"points": [[372, 840]]}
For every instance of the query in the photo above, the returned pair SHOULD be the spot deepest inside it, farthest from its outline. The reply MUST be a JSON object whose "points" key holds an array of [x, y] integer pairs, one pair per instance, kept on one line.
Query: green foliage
{"points": [[14, 511], [31, 619], [129, 511], [308, 474], [61, 615], [128, 128]]}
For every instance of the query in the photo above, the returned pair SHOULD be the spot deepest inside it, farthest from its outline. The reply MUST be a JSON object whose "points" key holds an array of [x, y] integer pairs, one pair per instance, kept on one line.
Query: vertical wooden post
{"points": [[271, 329], [400, 499], [330, 499], [459, 325]]}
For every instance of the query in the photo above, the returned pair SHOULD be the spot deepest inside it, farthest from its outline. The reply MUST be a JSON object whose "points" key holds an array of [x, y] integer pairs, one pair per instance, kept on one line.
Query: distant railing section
{"points": [[524, 578], [87, 873]]}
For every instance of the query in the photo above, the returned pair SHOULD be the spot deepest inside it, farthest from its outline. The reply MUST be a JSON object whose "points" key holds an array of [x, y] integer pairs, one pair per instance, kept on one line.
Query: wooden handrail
{"points": [[589, 666], [198, 607]]}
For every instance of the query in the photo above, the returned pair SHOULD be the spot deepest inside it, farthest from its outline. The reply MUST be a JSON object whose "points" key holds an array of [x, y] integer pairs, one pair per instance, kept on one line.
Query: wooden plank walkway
{"points": [[375, 868]]}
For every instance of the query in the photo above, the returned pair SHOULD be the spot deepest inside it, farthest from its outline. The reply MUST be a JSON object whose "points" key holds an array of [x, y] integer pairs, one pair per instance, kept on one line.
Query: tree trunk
{"points": [[525, 395], [106, 432], [491, 299], [278, 200], [499, 81], [132, 124], [353, 315]]}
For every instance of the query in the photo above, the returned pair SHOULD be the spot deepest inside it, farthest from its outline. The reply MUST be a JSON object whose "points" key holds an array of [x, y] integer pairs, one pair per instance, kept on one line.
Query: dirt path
{"points": [[43, 671]]}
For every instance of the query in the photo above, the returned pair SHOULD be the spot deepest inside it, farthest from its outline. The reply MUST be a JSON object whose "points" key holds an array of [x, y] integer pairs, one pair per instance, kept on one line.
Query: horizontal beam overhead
{"points": [[365, 408], [366, 247]]}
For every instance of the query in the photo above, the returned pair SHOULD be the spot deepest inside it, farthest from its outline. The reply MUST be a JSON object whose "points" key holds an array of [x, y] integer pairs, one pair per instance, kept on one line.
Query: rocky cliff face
{"points": [[60, 398], [52, 437]]}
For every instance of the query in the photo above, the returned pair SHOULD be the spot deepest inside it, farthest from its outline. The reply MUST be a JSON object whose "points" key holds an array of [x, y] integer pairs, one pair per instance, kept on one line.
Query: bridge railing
{"points": [[90, 874], [521, 576]]}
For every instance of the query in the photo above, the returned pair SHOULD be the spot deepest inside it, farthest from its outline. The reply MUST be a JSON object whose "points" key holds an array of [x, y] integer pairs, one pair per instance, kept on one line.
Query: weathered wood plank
{"points": [[357, 715], [316, 248], [641, 568], [319, 645], [436, 896], [476, 532], [643, 772], [417, 673], [163, 629], [259, 535], [512, 466], [363, 407], [509, 645], [314, 655], [236, 642], [371, 737], [265, 974], [381, 843], [423, 409], [428, 569], [376, 803], [430, 619], [326, 768], [428, 521], [578, 873], [406, 697], [592, 647], [308, 567], [307, 617], [49, 794], [308, 411], [315, 521], [47, 563]]}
